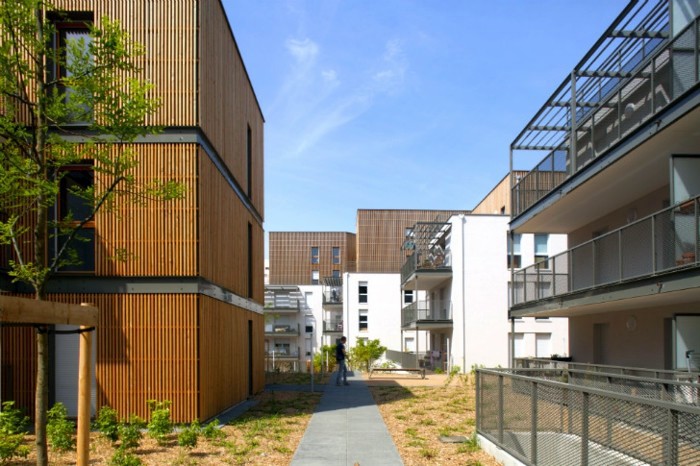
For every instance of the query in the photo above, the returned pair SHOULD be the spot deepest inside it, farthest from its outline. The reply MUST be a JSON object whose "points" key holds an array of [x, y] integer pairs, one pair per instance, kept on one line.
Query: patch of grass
{"points": [[470, 446], [411, 432], [426, 422], [416, 443], [428, 453]]}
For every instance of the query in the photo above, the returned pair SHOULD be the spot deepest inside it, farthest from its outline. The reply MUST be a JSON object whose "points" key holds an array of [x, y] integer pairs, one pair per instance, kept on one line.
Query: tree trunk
{"points": [[42, 396]]}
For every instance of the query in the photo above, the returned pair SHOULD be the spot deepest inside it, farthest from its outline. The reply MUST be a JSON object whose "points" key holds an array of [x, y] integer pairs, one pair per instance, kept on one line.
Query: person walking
{"points": [[340, 356]]}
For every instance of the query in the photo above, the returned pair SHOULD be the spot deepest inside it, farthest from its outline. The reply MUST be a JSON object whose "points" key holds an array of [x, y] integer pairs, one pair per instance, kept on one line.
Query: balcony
{"points": [[664, 243], [632, 84], [333, 296], [332, 326], [561, 416], [281, 330], [283, 299], [421, 316]]}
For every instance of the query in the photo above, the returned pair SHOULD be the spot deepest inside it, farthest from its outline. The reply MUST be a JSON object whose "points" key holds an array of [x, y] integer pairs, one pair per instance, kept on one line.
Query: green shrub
{"points": [[107, 422], [188, 436], [211, 431], [123, 457], [12, 420], [59, 429], [160, 425], [130, 432], [13, 427]]}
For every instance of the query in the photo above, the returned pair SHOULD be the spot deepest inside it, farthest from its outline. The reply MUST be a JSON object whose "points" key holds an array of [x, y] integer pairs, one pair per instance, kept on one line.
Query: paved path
{"points": [[346, 429]]}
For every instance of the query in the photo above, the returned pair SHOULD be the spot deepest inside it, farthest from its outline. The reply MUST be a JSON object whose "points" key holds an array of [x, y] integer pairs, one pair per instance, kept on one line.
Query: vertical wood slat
{"points": [[224, 355], [160, 237], [381, 233], [224, 85], [290, 255], [168, 30], [223, 235], [498, 198]]}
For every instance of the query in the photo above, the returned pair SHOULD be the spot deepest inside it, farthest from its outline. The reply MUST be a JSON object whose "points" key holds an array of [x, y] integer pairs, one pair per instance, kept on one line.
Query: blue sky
{"points": [[400, 104]]}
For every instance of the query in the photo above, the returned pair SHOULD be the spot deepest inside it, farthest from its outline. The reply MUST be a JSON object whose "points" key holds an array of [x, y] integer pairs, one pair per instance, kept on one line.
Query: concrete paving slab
{"points": [[347, 429]]}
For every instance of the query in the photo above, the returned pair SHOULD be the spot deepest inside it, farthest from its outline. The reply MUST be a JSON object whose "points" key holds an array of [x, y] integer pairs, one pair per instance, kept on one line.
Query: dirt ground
{"points": [[417, 412]]}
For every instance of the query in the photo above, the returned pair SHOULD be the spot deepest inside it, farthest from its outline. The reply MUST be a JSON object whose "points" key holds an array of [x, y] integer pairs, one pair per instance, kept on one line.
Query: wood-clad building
{"points": [[305, 258], [182, 318], [381, 233], [497, 201]]}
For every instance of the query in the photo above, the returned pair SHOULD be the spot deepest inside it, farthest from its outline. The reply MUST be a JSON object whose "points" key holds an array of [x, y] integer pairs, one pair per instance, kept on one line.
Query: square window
{"points": [[362, 292], [364, 322]]}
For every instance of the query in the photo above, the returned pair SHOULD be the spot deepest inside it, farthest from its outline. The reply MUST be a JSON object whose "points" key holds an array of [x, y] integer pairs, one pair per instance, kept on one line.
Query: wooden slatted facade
{"points": [[497, 201], [381, 233], [291, 260], [186, 347]]}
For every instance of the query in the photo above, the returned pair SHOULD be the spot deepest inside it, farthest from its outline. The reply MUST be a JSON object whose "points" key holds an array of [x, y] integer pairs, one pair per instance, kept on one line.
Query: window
{"points": [[409, 344], [249, 161], [314, 255], [364, 324], [541, 256], [514, 261], [67, 33], [314, 277], [336, 255], [75, 206], [250, 260], [362, 292], [407, 296], [336, 274]]}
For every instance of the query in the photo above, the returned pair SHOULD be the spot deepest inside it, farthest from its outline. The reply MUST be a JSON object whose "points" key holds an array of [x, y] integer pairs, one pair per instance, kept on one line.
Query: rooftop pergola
{"points": [[640, 29]]}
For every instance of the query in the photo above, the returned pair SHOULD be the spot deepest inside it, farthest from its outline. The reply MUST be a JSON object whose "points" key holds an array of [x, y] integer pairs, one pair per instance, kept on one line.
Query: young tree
{"points": [[366, 352], [64, 101]]}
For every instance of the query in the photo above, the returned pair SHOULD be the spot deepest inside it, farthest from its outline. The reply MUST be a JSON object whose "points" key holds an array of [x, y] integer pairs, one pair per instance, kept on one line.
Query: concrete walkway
{"points": [[346, 429]]}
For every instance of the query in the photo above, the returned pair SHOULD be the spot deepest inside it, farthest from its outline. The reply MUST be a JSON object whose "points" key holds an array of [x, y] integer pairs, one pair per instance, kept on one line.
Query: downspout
{"points": [[464, 299], [512, 342]]}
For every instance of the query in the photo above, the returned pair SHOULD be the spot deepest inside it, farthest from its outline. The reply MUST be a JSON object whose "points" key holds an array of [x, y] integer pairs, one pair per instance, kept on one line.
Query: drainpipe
{"points": [[463, 219], [512, 342]]}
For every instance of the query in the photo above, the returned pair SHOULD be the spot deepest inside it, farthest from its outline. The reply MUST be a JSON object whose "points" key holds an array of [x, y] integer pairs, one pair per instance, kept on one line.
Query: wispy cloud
{"points": [[322, 94]]}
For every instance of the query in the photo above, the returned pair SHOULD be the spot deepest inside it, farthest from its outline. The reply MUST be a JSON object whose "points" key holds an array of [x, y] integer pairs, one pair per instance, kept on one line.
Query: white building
{"points": [[461, 266]]}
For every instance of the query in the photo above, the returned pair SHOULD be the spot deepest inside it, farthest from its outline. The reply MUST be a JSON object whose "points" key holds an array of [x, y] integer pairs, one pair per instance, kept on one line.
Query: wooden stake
{"points": [[84, 387]]}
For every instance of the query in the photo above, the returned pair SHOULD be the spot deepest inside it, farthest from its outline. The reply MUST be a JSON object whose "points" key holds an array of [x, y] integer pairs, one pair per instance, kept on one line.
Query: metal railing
{"points": [[661, 242], [283, 302], [654, 79], [333, 295], [332, 326], [423, 310], [662, 374], [547, 422], [282, 330], [421, 261]]}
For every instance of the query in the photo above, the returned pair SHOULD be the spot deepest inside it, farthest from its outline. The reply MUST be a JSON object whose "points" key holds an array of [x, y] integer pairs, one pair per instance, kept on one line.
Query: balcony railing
{"points": [[282, 330], [333, 295], [281, 354], [664, 241], [425, 262], [332, 326], [284, 303], [549, 422], [608, 106], [422, 311], [540, 363]]}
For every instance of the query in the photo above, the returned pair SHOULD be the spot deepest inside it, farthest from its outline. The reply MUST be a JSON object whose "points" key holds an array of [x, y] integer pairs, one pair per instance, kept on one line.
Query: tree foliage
{"points": [[62, 103], [365, 352]]}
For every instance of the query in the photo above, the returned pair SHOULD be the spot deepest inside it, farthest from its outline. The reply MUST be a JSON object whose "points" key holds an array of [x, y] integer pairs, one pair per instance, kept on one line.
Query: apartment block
{"points": [[381, 233], [621, 181], [620, 177], [182, 318], [305, 258]]}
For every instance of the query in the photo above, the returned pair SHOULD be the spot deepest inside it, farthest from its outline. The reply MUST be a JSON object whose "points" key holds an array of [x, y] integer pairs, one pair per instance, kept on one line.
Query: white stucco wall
{"points": [[479, 290], [384, 300]]}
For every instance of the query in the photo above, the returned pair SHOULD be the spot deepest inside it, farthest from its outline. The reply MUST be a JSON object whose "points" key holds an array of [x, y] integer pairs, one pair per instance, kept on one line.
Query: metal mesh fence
{"points": [[541, 420]]}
